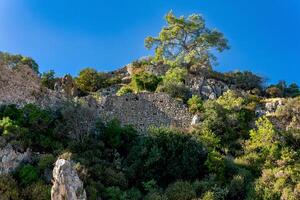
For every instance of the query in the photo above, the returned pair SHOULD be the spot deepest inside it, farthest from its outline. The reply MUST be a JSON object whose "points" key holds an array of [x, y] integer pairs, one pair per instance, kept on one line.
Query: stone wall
{"points": [[145, 110]]}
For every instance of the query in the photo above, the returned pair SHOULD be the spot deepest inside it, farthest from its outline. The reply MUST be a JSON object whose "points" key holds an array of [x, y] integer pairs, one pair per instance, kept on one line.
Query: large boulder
{"points": [[11, 158], [66, 182]]}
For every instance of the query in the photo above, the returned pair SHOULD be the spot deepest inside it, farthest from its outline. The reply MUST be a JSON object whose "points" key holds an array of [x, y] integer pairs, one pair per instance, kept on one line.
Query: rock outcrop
{"points": [[11, 158], [145, 110], [66, 86], [66, 183], [21, 85], [206, 88]]}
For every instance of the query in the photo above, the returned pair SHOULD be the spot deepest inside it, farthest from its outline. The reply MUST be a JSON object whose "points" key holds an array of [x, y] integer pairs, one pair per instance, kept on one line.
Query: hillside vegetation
{"points": [[232, 152]]}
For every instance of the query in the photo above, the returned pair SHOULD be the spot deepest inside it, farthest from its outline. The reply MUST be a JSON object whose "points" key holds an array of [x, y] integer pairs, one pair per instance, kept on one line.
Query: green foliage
{"points": [[175, 74], [173, 84], [195, 104], [215, 164], [186, 41], [18, 60], [126, 89], [274, 92], [48, 79], [282, 89], [27, 174], [144, 81], [89, 80], [180, 190], [176, 90], [8, 127], [46, 161], [245, 80], [37, 191], [208, 196], [229, 119], [9, 188], [165, 156]]}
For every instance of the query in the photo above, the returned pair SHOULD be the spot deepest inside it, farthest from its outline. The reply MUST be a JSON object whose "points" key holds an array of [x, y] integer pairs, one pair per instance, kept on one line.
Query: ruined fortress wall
{"points": [[145, 110]]}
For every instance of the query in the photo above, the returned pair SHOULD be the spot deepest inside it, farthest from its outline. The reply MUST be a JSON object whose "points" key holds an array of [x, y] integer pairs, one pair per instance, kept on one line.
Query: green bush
{"points": [[176, 90], [9, 188], [215, 164], [180, 190], [89, 80], [17, 60], [124, 90], [244, 80], [195, 104], [8, 127], [46, 161], [274, 92], [48, 79], [165, 156], [37, 191], [144, 82], [208, 196], [27, 174], [176, 74]]}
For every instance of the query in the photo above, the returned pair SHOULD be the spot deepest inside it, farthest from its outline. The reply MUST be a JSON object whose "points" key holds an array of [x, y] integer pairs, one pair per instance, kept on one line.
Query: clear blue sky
{"points": [[67, 35]]}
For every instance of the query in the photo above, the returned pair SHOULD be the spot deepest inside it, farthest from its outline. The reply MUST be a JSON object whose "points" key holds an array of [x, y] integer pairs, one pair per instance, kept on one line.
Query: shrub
{"points": [[46, 161], [78, 121], [27, 174], [89, 80], [8, 188], [48, 79], [165, 156], [237, 188], [144, 81], [180, 190], [208, 196], [274, 92], [37, 191], [244, 80], [215, 164], [17, 60], [176, 90], [124, 90], [195, 104], [176, 74], [8, 127], [155, 196]]}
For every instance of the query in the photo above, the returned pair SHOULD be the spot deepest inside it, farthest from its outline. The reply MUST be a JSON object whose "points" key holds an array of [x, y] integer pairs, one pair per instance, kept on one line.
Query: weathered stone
{"points": [[206, 88], [22, 85], [66, 86], [145, 110], [11, 159], [66, 182], [195, 120]]}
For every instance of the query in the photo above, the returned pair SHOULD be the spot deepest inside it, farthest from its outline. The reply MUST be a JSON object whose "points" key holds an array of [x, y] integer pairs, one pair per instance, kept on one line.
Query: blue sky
{"points": [[67, 35]]}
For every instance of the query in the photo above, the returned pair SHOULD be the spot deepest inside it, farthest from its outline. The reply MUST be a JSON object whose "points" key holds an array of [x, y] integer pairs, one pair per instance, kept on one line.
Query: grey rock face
{"points": [[11, 159], [271, 107], [206, 88], [66, 183], [22, 86]]}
